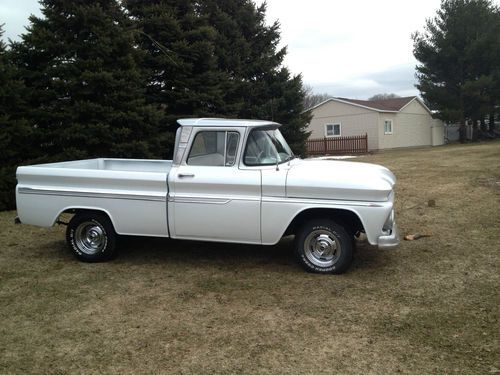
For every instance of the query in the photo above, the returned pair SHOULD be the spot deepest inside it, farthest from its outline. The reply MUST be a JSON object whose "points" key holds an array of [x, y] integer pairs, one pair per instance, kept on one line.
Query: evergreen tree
{"points": [[218, 58], [16, 143], [257, 85], [86, 94], [459, 55], [180, 65]]}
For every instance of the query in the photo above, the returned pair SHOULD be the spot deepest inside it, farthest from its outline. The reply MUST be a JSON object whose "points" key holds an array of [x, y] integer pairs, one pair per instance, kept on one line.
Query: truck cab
{"points": [[221, 170]]}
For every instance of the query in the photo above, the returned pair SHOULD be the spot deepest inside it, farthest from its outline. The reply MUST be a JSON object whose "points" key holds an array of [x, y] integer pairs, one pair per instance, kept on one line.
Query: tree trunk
{"points": [[483, 124], [475, 129], [462, 131]]}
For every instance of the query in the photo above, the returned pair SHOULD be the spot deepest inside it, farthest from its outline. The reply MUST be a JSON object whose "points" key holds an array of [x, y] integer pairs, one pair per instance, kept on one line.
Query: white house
{"points": [[389, 123]]}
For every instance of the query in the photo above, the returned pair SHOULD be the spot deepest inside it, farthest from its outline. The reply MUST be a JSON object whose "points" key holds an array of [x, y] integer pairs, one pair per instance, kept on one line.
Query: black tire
{"points": [[323, 246], [91, 237]]}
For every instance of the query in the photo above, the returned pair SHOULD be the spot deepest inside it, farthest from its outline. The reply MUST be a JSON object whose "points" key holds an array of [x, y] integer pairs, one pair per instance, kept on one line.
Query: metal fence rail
{"points": [[357, 144]]}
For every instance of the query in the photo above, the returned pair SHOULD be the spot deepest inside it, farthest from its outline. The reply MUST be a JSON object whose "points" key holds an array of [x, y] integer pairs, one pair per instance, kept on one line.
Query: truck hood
{"points": [[332, 179]]}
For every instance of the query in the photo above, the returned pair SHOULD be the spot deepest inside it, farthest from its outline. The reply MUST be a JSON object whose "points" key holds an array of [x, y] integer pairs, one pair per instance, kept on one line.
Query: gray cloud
{"points": [[399, 80], [14, 14]]}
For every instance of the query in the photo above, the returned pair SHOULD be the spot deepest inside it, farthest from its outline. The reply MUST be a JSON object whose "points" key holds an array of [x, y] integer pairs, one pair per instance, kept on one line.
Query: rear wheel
{"points": [[324, 246], [91, 237]]}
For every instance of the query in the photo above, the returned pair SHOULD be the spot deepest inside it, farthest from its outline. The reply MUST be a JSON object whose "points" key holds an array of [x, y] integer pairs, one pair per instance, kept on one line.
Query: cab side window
{"points": [[232, 139], [214, 148]]}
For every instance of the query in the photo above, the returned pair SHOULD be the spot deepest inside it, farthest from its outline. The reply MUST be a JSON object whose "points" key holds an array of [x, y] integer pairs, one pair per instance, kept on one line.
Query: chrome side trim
{"points": [[210, 199], [320, 201], [90, 194], [199, 200]]}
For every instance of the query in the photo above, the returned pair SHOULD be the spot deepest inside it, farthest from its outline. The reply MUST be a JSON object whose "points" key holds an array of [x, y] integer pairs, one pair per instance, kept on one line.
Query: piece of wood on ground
{"points": [[416, 236]]}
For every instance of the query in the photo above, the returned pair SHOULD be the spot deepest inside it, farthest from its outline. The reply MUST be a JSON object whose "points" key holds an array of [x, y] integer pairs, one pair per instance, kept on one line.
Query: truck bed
{"points": [[131, 191], [124, 165]]}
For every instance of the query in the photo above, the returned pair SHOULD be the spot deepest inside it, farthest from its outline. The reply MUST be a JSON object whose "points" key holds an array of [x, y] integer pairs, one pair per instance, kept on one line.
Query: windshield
{"points": [[266, 147]]}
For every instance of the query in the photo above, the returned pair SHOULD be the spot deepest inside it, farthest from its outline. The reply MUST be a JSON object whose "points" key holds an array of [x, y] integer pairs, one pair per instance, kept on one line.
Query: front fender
{"points": [[278, 213]]}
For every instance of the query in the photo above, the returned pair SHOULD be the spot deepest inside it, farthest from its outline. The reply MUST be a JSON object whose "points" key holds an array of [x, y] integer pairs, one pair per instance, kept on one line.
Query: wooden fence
{"points": [[357, 144]]}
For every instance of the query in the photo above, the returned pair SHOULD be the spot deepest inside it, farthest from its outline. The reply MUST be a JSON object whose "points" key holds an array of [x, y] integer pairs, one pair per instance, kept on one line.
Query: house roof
{"points": [[393, 104], [383, 105]]}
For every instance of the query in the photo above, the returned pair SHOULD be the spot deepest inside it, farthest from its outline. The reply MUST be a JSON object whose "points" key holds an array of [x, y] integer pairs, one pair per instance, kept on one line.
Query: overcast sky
{"points": [[352, 49], [349, 48]]}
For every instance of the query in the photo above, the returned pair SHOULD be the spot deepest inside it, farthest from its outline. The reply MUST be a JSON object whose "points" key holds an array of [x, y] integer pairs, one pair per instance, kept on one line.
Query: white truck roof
{"points": [[211, 122]]}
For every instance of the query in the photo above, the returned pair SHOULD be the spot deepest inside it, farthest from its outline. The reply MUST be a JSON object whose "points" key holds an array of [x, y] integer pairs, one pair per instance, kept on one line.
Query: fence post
{"points": [[324, 146]]}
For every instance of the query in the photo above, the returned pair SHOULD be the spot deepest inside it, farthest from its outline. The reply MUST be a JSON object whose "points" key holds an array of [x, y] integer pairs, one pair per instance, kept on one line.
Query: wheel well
{"points": [[346, 218], [75, 211]]}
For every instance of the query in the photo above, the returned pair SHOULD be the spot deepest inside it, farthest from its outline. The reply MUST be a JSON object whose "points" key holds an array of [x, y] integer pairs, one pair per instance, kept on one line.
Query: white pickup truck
{"points": [[230, 181]]}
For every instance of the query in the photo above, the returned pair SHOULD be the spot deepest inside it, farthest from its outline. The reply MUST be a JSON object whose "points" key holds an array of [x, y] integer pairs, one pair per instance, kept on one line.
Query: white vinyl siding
{"points": [[410, 128], [355, 121], [332, 130]]}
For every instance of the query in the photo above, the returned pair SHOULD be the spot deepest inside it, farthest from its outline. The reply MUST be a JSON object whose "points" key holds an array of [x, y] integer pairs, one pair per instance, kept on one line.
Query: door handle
{"points": [[183, 175]]}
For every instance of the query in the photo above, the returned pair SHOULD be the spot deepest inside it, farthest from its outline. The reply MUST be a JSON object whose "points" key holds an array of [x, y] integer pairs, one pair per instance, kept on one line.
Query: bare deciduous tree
{"points": [[384, 96], [311, 99]]}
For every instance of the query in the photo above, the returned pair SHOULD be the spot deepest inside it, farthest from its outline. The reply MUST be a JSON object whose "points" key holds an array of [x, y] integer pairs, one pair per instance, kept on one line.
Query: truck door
{"points": [[210, 197]]}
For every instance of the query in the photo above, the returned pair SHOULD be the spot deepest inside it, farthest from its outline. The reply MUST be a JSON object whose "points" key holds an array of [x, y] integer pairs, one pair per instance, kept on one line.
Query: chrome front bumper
{"points": [[389, 241]]}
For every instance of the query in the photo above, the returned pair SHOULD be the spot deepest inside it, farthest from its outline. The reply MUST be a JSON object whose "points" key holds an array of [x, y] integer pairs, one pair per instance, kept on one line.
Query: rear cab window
{"points": [[214, 148]]}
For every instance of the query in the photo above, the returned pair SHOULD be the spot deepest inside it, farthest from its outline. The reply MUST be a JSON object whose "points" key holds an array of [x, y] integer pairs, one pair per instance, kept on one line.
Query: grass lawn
{"points": [[163, 306]]}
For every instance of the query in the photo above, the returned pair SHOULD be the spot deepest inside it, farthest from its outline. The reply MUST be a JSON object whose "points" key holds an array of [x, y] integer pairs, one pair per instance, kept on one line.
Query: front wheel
{"points": [[91, 237], [324, 246]]}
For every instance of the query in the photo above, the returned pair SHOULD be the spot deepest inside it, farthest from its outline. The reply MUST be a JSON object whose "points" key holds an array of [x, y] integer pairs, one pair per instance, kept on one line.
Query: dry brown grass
{"points": [[431, 306]]}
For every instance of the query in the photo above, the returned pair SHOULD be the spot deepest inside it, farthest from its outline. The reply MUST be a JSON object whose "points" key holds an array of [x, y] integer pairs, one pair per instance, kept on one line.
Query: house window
{"points": [[332, 130], [388, 127]]}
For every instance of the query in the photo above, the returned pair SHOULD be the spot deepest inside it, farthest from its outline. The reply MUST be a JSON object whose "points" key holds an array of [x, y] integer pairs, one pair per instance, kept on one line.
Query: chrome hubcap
{"points": [[90, 237], [322, 248]]}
